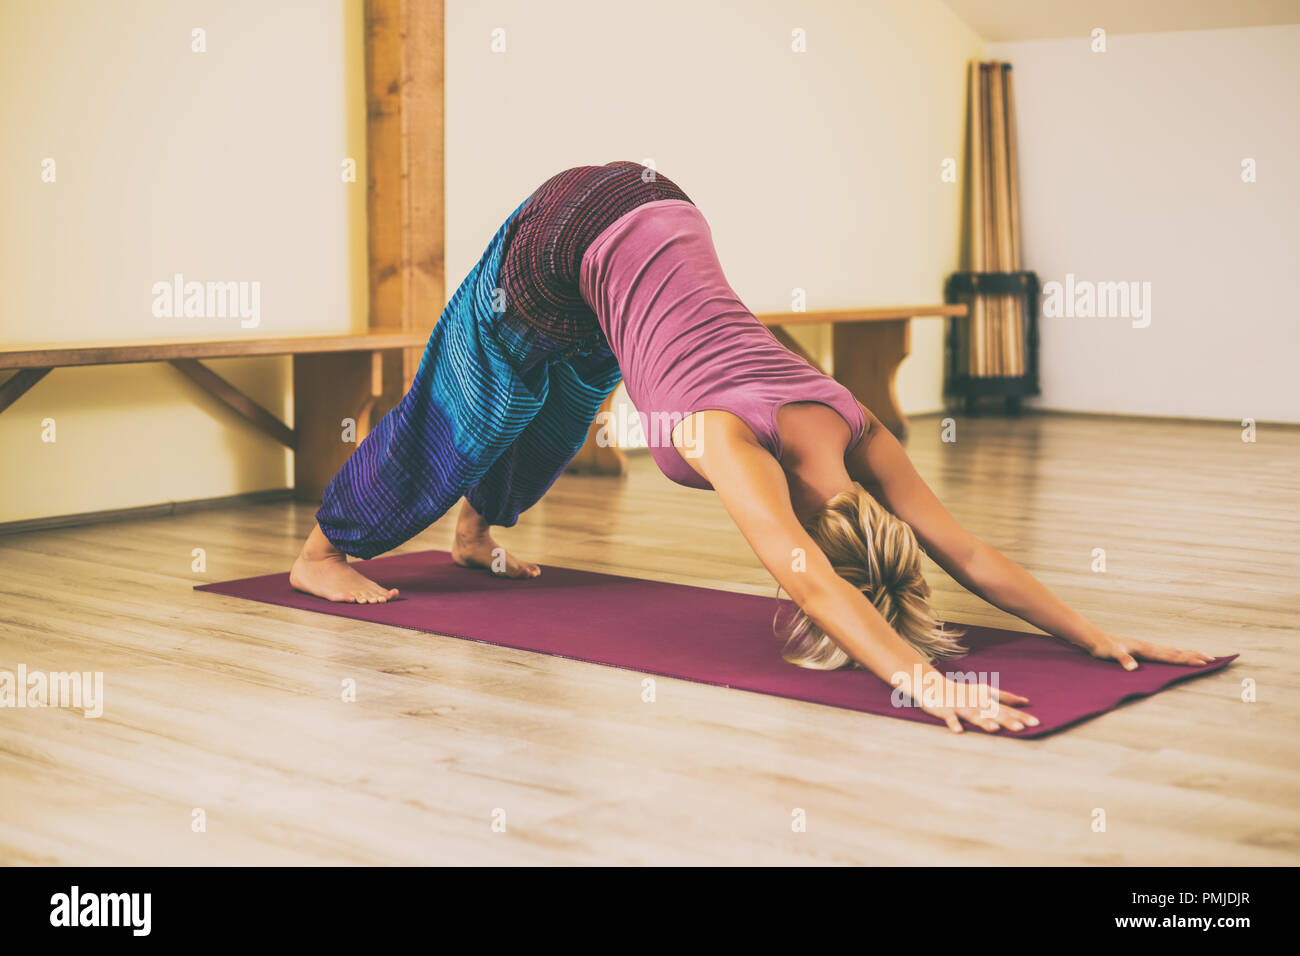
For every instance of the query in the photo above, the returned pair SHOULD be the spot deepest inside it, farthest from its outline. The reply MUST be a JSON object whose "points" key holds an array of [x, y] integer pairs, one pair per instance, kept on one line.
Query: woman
{"points": [[609, 272]]}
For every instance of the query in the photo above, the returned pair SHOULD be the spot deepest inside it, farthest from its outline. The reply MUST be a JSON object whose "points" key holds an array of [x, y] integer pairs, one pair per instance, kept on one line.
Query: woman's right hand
{"points": [[979, 705]]}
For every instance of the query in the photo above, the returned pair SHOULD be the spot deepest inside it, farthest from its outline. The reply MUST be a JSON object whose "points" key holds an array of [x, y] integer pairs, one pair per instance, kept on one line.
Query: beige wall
{"points": [[1131, 171], [818, 170], [1013, 20], [223, 165]]}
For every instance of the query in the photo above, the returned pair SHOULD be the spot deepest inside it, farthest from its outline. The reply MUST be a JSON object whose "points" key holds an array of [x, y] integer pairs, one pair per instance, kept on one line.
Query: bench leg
{"points": [[867, 356], [594, 458], [328, 389], [19, 384], [234, 399]]}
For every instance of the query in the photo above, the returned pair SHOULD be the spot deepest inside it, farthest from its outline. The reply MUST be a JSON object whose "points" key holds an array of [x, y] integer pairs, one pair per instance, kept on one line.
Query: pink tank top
{"points": [[684, 340]]}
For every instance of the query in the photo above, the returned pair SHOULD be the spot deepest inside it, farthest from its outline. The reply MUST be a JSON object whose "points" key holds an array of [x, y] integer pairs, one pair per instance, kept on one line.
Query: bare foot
{"points": [[323, 570], [473, 547]]}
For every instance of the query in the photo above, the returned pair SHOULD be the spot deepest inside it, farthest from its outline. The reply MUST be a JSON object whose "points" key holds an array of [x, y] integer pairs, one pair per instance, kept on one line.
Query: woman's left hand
{"points": [[1128, 651]]}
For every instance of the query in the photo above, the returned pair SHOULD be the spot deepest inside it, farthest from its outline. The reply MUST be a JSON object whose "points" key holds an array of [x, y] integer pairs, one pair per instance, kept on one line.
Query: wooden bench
{"points": [[334, 377], [867, 347]]}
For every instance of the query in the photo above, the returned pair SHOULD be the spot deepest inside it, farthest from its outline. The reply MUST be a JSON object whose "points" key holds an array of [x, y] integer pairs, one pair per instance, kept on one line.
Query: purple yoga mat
{"points": [[705, 635]]}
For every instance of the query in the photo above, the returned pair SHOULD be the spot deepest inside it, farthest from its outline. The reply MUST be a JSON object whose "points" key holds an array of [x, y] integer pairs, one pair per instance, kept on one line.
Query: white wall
{"points": [[818, 170], [220, 165], [1131, 164]]}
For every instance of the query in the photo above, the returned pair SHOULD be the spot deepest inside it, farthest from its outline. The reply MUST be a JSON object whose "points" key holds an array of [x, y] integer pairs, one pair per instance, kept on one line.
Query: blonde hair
{"points": [[879, 554]]}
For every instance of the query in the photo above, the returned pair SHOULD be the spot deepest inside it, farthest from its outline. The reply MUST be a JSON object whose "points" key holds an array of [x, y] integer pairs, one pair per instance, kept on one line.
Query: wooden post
{"points": [[404, 155], [404, 220]]}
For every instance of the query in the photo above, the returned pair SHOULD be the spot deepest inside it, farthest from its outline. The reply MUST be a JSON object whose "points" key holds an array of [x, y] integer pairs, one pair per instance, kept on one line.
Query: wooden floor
{"points": [[235, 708]]}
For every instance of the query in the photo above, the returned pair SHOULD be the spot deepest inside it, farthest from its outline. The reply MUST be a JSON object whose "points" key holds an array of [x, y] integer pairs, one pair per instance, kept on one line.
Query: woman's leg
{"points": [[323, 570], [473, 546], [466, 406], [546, 321], [521, 476], [518, 479]]}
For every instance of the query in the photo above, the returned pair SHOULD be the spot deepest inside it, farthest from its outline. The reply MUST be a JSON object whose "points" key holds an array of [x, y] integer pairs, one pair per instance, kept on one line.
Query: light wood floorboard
{"points": [[234, 707]]}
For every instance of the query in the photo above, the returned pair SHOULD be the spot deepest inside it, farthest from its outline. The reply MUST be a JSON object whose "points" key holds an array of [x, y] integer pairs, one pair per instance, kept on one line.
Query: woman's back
{"points": [[684, 340]]}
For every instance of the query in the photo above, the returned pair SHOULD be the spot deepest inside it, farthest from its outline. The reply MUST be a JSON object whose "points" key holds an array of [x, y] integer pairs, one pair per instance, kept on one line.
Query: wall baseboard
{"points": [[1140, 417], [287, 494], [163, 510]]}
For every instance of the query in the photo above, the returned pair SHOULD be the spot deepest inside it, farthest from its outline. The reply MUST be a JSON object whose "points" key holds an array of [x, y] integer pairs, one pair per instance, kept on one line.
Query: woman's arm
{"points": [[880, 465], [754, 490]]}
